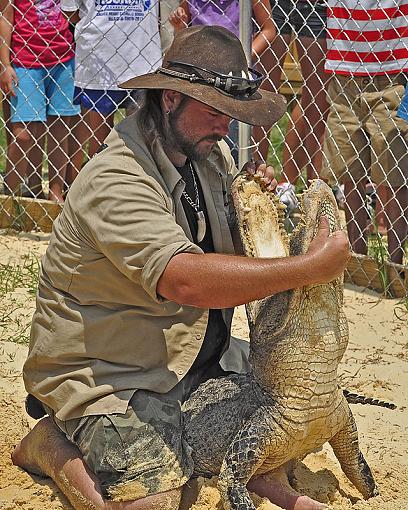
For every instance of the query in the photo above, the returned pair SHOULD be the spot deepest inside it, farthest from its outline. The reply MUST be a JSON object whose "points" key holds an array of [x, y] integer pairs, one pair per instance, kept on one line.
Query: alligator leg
{"points": [[244, 456], [345, 447], [260, 438]]}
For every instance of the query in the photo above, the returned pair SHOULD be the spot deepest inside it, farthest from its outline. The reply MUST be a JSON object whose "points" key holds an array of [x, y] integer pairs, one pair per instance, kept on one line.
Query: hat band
{"points": [[235, 86]]}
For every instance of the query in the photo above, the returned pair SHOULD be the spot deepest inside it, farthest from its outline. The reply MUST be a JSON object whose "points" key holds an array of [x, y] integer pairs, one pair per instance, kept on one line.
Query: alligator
{"points": [[290, 402]]}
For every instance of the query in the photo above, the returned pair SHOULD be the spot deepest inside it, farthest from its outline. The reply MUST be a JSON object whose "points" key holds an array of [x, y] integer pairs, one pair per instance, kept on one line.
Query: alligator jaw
{"points": [[260, 216]]}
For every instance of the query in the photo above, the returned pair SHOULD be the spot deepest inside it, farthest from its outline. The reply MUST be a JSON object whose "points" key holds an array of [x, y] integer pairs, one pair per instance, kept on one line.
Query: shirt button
{"points": [[198, 337], [180, 372]]}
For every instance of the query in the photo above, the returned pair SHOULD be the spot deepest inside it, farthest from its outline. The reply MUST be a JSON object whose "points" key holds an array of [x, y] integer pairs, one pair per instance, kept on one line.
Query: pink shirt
{"points": [[41, 37]]}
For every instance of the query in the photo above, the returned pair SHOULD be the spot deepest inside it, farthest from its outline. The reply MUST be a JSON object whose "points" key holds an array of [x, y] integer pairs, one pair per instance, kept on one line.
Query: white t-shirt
{"points": [[115, 40]]}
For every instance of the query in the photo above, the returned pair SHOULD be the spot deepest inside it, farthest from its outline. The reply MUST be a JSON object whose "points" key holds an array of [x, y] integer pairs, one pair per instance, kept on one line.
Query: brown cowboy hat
{"points": [[208, 64]]}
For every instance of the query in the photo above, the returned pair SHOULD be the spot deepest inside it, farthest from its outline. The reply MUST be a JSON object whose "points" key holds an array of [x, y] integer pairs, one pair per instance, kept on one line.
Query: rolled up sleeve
{"points": [[129, 220]]}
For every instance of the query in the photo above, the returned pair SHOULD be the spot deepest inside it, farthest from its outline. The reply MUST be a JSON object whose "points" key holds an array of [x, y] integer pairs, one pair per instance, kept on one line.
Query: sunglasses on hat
{"points": [[231, 85]]}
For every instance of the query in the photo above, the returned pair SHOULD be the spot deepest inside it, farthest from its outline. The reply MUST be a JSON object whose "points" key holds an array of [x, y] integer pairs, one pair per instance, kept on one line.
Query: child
{"points": [[37, 62], [114, 42]]}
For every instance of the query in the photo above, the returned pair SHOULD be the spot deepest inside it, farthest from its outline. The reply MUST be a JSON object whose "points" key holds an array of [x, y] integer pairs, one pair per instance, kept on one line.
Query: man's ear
{"points": [[171, 100]]}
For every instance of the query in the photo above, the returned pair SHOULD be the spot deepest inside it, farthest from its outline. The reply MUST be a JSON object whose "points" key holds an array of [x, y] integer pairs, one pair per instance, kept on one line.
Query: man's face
{"points": [[196, 127]]}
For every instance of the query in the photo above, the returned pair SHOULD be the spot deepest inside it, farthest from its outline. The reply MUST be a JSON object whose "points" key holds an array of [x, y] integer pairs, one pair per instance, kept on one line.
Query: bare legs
{"points": [[25, 153], [356, 215], [396, 213], [302, 143], [45, 450], [76, 150], [57, 148], [306, 129], [275, 486], [97, 126], [271, 64]]}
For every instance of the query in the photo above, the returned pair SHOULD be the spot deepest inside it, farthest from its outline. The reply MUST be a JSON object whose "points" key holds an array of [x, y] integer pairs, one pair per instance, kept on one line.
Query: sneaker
{"points": [[286, 194], [371, 195], [339, 195]]}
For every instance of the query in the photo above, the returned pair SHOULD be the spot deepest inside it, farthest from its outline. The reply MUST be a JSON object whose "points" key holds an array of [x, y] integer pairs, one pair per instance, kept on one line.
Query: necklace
{"points": [[200, 217]]}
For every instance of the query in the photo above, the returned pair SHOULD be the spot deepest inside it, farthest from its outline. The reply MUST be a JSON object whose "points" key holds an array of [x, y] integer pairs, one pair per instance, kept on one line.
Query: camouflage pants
{"points": [[141, 452]]}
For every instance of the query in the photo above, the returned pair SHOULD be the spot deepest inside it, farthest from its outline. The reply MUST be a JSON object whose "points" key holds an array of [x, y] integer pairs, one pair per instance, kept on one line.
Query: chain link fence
{"points": [[340, 63]]}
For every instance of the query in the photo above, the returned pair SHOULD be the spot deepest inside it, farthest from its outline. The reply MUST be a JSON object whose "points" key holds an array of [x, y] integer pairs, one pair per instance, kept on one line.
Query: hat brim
{"points": [[261, 109]]}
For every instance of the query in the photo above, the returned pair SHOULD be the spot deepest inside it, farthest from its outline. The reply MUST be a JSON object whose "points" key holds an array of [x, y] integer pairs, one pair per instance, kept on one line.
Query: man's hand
{"points": [[178, 19], [329, 254], [8, 79], [265, 172]]}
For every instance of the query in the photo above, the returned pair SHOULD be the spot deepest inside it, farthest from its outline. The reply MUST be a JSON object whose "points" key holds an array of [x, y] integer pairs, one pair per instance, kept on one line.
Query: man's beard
{"points": [[190, 149]]}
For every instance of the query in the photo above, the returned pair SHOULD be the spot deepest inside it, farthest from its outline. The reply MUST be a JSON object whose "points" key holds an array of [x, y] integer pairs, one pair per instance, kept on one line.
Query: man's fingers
{"points": [[249, 167], [324, 227], [262, 170], [181, 14]]}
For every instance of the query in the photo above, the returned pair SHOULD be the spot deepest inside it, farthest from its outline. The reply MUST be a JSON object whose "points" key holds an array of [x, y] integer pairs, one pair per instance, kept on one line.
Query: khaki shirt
{"points": [[100, 330]]}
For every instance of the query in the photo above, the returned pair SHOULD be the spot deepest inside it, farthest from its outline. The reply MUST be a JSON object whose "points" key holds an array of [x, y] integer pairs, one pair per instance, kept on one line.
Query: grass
{"points": [[15, 315], [401, 309], [3, 145], [277, 139], [13, 276]]}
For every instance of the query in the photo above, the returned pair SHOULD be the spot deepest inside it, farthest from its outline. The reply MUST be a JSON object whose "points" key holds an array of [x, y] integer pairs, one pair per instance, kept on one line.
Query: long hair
{"points": [[151, 115]]}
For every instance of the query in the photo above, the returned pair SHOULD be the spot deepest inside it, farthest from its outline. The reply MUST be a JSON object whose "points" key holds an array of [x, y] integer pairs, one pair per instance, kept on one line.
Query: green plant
{"points": [[401, 309], [277, 138], [14, 320], [3, 146], [380, 255], [13, 276]]}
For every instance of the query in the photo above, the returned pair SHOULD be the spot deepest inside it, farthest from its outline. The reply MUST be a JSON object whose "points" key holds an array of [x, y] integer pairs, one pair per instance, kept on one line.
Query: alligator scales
{"points": [[290, 403]]}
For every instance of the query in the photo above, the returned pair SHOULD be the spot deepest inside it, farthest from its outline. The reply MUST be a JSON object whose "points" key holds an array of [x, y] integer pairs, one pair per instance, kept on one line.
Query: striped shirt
{"points": [[367, 37]]}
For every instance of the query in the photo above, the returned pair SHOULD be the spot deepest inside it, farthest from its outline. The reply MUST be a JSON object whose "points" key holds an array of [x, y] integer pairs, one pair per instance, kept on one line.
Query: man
{"points": [[139, 281], [365, 141]]}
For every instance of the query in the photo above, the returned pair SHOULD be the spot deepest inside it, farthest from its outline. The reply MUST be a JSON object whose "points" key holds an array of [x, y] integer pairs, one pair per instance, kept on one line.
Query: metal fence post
{"points": [[245, 34]]}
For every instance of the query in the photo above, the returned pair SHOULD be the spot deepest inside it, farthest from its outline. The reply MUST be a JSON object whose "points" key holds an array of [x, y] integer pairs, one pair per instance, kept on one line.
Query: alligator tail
{"points": [[355, 398]]}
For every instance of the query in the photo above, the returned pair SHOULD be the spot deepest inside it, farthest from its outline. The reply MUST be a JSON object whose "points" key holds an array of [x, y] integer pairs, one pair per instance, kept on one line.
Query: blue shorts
{"points": [[106, 101], [43, 92], [306, 19], [402, 112]]}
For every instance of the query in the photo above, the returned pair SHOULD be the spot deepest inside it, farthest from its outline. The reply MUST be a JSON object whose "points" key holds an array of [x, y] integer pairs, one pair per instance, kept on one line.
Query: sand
{"points": [[375, 364]]}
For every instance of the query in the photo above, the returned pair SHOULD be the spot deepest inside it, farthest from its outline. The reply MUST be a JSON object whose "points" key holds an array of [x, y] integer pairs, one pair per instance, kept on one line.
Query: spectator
{"points": [[166, 28], [37, 74], [226, 14], [365, 138], [403, 107], [305, 20], [112, 45]]}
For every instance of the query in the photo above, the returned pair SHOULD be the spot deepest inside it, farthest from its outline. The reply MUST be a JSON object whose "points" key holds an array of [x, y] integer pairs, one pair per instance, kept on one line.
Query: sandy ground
{"points": [[375, 364]]}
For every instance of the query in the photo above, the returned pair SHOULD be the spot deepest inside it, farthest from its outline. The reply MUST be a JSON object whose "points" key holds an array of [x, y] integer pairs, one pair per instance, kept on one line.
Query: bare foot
{"points": [[45, 450], [275, 486], [27, 454]]}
